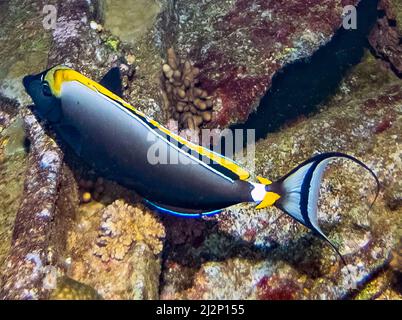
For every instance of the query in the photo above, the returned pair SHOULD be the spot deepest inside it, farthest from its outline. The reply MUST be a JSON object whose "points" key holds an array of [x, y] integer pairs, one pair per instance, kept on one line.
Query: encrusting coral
{"points": [[186, 102], [115, 248], [121, 226]]}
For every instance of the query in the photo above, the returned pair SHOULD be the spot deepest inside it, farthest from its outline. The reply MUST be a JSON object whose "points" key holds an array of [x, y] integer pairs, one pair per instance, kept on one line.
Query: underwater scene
{"points": [[201, 150]]}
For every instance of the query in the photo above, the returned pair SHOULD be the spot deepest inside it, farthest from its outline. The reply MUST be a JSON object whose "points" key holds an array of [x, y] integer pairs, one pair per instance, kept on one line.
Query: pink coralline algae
{"points": [[274, 288]]}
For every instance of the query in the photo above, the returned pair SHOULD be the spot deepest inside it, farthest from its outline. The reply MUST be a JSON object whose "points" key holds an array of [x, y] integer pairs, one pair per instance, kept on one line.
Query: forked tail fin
{"points": [[299, 191]]}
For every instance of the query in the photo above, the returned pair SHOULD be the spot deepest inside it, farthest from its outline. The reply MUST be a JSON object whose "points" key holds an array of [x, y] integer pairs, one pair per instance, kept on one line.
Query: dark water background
{"points": [[302, 86]]}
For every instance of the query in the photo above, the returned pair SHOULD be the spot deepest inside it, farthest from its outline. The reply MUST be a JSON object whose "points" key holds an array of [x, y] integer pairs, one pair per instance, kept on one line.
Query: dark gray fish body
{"points": [[118, 143]]}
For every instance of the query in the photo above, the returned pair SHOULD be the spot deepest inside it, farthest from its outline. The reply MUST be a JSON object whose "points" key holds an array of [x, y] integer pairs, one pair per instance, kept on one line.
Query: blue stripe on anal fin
{"points": [[159, 207]]}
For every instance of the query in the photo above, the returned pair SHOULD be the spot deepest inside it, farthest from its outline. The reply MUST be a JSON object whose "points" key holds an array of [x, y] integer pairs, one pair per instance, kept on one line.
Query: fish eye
{"points": [[46, 89]]}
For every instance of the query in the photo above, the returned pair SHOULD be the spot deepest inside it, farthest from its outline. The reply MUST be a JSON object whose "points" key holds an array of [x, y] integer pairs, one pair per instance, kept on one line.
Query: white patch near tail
{"points": [[258, 192]]}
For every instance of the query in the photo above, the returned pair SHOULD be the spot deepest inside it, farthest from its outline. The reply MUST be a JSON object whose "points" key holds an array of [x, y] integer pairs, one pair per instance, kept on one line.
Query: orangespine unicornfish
{"points": [[114, 137]]}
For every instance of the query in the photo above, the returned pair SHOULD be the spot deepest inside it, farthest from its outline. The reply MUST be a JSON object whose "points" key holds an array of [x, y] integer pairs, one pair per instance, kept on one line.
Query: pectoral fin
{"points": [[71, 135], [112, 81]]}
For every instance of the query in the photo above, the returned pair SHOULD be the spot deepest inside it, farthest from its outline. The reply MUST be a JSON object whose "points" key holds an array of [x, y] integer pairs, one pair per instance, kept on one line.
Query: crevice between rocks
{"points": [[300, 88]]}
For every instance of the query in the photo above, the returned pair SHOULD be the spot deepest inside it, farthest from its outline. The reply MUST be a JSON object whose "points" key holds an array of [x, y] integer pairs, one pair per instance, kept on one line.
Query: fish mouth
{"points": [[46, 107], [30, 81], [27, 80]]}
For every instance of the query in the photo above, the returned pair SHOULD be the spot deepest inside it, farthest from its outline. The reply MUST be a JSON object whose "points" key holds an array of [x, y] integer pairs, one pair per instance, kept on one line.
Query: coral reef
{"points": [[186, 101], [116, 250], [60, 242], [39, 228], [386, 38], [238, 45]]}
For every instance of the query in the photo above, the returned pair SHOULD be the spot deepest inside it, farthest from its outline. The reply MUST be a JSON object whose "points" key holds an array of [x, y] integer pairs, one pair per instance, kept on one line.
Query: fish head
{"points": [[47, 104]]}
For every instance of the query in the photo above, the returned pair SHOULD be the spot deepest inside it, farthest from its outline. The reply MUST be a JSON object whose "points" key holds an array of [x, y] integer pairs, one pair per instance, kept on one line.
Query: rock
{"points": [[383, 287], [25, 45], [12, 170], [231, 279], [144, 278], [39, 233], [277, 257], [386, 37], [129, 20], [116, 250], [78, 46]]}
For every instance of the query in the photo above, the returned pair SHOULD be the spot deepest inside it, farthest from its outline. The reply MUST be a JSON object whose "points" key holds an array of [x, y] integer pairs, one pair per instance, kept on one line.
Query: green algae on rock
{"points": [[69, 289], [129, 20]]}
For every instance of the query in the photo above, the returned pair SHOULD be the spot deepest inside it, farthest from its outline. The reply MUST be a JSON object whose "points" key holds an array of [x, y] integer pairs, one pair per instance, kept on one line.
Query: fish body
{"points": [[117, 139]]}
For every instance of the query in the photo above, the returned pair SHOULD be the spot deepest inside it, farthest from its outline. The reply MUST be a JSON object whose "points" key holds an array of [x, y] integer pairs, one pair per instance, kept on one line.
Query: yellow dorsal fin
{"points": [[269, 199], [264, 181]]}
